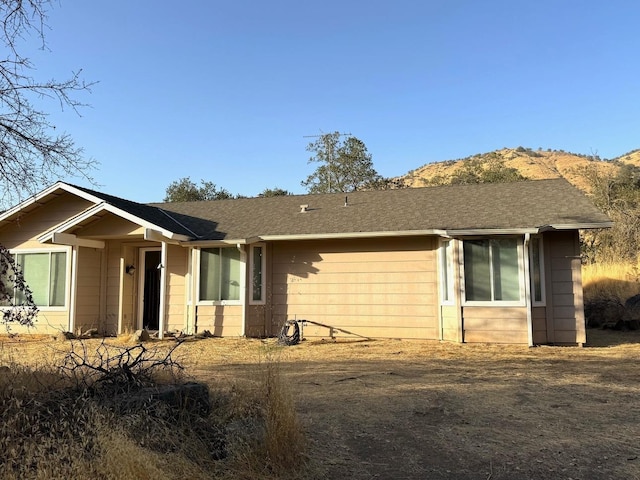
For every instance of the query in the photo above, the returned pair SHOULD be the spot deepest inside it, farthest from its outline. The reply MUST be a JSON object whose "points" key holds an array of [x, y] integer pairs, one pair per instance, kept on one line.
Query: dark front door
{"points": [[151, 298]]}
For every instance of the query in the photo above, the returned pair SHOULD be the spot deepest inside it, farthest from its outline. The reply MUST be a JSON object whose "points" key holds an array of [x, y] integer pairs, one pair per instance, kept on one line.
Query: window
{"points": [[257, 274], [492, 270], [446, 271], [219, 274], [537, 276], [46, 275]]}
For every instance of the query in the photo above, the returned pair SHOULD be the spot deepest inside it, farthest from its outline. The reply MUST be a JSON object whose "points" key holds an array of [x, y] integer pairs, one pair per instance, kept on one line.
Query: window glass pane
{"points": [[35, 268], [257, 273], [536, 270], [477, 274], [209, 274], [230, 274], [506, 282], [58, 279], [444, 268]]}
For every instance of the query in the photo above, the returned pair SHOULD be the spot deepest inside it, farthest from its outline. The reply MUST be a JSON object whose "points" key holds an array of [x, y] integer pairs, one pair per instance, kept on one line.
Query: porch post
{"points": [[193, 281], [243, 286], [163, 287]]}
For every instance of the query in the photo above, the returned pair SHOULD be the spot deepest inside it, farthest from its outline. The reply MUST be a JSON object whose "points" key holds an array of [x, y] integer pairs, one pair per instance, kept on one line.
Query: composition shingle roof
{"points": [[499, 206]]}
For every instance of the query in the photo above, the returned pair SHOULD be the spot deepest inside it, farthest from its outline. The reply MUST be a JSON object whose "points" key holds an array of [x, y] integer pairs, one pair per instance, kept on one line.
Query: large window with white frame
{"points": [[493, 270], [220, 274], [257, 269], [46, 274]]}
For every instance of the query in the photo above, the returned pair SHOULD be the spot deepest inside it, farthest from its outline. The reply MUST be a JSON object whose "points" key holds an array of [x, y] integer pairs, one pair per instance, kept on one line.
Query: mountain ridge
{"points": [[532, 164]]}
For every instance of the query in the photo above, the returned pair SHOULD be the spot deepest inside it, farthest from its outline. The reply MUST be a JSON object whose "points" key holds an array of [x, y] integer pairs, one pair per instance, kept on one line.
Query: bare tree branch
{"points": [[32, 152]]}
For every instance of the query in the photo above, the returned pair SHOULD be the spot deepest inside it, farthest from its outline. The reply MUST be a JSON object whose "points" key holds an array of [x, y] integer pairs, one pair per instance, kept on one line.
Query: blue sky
{"points": [[229, 91]]}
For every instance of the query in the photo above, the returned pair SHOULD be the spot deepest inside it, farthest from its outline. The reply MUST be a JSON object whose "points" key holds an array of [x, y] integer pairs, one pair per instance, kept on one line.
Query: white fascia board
{"points": [[328, 236], [220, 243], [492, 231]]}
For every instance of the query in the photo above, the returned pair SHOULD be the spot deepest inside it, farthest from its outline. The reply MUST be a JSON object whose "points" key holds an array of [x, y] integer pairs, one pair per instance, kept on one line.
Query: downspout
{"points": [[527, 288], [243, 287], [163, 288]]}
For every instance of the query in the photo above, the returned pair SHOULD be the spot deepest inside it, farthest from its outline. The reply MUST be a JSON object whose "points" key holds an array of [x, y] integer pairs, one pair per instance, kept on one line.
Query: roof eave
{"points": [[576, 226]]}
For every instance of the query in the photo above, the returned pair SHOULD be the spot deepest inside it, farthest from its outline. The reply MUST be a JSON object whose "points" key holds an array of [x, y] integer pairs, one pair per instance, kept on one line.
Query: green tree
{"points": [[274, 192], [184, 190], [345, 166], [33, 152], [480, 170]]}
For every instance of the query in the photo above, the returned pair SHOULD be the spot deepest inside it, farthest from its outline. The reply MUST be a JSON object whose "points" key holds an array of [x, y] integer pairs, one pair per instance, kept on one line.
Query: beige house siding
{"points": [[566, 315], [257, 321], [111, 226], [539, 322], [24, 232], [89, 283], [177, 268], [450, 322], [373, 287], [495, 324], [220, 320]]}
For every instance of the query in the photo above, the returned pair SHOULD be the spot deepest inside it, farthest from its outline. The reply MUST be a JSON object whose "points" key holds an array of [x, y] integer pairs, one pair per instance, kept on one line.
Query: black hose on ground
{"points": [[293, 339]]}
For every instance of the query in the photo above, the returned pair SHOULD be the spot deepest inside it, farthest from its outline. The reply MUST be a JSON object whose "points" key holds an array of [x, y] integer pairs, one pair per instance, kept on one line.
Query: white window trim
{"points": [[543, 298], [216, 302], [263, 267], [67, 281], [494, 303], [446, 272]]}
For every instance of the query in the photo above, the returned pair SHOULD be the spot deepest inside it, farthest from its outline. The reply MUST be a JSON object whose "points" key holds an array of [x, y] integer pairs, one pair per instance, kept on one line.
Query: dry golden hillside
{"points": [[533, 164]]}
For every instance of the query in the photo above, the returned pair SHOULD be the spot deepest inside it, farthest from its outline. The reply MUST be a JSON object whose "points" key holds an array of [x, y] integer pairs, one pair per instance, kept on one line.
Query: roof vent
{"points": [[304, 208]]}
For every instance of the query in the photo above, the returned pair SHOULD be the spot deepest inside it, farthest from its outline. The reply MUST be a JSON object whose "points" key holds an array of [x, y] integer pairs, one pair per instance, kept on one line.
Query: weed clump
{"points": [[131, 412]]}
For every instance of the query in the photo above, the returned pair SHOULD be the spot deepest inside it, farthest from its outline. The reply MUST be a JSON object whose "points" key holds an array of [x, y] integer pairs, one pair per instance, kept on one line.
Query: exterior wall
{"points": [[176, 291], [89, 281], [539, 321], [23, 234], [257, 325], [565, 307], [119, 291], [495, 324], [111, 226], [383, 288], [220, 320], [450, 318]]}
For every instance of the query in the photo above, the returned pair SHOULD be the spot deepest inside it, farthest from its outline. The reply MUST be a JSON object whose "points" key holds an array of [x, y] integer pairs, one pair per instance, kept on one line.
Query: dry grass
{"points": [[51, 428], [610, 280], [402, 409]]}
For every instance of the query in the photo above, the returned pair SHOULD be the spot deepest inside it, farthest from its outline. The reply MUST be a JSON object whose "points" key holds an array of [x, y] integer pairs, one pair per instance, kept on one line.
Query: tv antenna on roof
{"points": [[323, 134]]}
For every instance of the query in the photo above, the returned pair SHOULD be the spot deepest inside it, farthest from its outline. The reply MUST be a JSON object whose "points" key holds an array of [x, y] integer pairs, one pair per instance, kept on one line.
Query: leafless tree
{"points": [[32, 152]]}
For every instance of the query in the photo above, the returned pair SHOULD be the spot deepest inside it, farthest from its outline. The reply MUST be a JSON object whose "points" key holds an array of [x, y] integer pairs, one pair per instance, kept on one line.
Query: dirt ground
{"points": [[429, 410]]}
